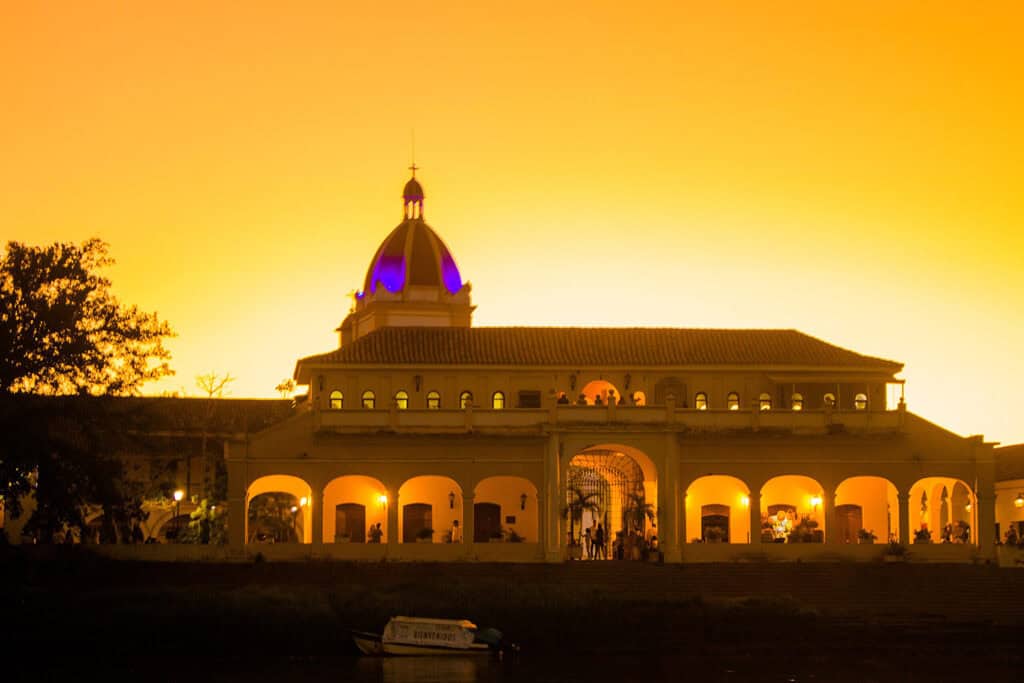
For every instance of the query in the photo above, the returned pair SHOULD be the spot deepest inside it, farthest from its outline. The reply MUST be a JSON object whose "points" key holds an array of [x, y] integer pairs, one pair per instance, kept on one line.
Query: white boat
{"points": [[418, 636]]}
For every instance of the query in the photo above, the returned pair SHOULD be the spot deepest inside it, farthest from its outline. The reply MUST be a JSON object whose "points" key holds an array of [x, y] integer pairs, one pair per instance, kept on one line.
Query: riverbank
{"points": [[83, 605]]}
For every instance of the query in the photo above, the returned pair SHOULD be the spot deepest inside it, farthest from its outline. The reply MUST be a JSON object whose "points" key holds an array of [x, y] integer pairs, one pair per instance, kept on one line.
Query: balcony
{"points": [[625, 418]]}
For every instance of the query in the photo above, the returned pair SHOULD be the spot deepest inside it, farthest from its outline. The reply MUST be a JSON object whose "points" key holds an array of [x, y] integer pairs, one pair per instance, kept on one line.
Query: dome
{"points": [[412, 254], [413, 190]]}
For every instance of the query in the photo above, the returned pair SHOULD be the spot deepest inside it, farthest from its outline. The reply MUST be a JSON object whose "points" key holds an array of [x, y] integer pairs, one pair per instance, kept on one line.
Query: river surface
{"points": [[574, 669]]}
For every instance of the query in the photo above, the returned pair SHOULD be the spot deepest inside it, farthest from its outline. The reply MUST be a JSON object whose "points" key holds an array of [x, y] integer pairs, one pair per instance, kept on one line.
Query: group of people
{"points": [[595, 543]]}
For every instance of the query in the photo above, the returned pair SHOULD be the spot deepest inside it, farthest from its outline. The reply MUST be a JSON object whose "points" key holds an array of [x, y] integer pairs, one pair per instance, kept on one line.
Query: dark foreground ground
{"points": [[872, 621]]}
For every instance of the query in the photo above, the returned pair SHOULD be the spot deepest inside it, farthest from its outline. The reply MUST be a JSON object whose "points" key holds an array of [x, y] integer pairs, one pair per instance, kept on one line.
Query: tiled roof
{"points": [[595, 347]]}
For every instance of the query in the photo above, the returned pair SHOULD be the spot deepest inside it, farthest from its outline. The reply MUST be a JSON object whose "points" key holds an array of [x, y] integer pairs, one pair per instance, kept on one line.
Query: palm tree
{"points": [[637, 509], [579, 502]]}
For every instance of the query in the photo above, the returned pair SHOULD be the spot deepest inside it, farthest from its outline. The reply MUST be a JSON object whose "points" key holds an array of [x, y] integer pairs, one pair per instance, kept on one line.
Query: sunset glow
{"points": [[851, 171]]}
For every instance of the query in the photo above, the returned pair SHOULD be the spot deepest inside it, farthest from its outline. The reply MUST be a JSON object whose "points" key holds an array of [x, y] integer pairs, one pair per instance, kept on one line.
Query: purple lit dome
{"points": [[412, 254]]}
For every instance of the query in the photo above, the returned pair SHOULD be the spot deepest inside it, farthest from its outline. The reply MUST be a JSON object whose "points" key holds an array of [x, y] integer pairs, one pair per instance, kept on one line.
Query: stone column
{"points": [[551, 513], [668, 501], [755, 516], [986, 531], [904, 503], [392, 531], [237, 501], [317, 512], [828, 515], [468, 524]]}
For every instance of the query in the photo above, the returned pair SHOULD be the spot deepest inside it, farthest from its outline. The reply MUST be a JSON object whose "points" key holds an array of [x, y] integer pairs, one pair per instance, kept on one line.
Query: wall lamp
{"points": [[451, 500], [522, 502], [1019, 500]]}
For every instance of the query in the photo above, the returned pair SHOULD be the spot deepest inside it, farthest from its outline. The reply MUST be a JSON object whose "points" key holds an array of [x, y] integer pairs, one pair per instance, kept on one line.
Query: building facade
{"points": [[423, 437]]}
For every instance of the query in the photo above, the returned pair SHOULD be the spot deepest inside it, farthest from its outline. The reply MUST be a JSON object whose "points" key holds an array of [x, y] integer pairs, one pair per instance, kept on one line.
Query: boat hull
{"points": [[372, 645]]}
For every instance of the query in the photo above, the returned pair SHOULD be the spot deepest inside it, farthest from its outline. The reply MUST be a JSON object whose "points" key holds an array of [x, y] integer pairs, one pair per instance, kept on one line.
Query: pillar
{"points": [[828, 516], [904, 501], [668, 501], [468, 523], [755, 516], [986, 531], [316, 502], [551, 513], [392, 530]]}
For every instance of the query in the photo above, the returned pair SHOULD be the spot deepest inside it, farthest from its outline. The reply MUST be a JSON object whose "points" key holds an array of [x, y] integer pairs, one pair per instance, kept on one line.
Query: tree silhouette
{"points": [[579, 502]]}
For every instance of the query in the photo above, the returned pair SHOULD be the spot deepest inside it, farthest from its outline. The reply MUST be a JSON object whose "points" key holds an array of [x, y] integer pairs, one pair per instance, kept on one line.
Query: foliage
{"points": [[286, 387], [270, 515], [579, 502], [637, 510], [514, 537], [866, 536], [425, 533], [63, 332], [895, 549], [922, 535], [805, 532], [207, 525]]}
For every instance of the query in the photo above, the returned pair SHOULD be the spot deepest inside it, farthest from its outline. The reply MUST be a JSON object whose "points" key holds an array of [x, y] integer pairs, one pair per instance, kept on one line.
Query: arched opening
{"points": [[514, 513], [860, 402], [732, 401], [639, 398], [344, 497], [612, 492], [465, 400], [430, 506], [797, 402], [700, 401], [279, 509], [764, 402], [717, 510], [599, 392], [791, 510], [942, 510], [369, 400], [498, 400], [337, 400], [867, 510], [402, 400], [433, 400]]}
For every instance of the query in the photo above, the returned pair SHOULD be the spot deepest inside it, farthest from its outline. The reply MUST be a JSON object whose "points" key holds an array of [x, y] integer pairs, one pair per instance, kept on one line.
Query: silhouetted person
{"points": [[598, 401], [563, 399], [599, 540]]}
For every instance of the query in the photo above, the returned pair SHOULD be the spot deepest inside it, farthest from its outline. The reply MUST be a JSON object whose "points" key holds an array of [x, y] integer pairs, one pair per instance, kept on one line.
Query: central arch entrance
{"points": [[611, 503]]}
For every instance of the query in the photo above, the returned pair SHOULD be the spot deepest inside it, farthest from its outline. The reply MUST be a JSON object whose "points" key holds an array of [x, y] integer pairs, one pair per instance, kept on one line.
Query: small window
{"points": [[639, 398], [764, 402], [337, 400], [433, 400], [798, 402], [529, 399], [402, 400], [860, 402], [369, 400], [830, 400], [733, 401], [498, 400], [700, 401], [465, 400]]}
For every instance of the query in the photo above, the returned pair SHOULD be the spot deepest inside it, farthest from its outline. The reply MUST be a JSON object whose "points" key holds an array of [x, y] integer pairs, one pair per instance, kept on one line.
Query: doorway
{"points": [[350, 522], [486, 522]]}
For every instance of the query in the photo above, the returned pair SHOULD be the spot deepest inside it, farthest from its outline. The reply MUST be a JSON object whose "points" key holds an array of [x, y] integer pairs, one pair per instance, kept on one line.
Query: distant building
{"points": [[703, 444]]}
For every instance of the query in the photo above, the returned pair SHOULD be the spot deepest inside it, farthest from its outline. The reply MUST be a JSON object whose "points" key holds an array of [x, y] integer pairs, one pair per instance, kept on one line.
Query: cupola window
{"points": [[860, 402], [369, 400], [498, 400], [700, 401], [465, 400], [337, 400], [798, 402], [764, 402], [733, 401], [433, 400], [402, 400]]}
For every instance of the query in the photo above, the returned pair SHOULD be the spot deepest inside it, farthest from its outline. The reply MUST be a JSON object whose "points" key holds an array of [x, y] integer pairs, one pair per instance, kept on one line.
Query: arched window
{"points": [[764, 402], [700, 401], [433, 400], [860, 402], [337, 400], [830, 400], [465, 399], [402, 400], [798, 401], [733, 401], [498, 400], [639, 398], [369, 400]]}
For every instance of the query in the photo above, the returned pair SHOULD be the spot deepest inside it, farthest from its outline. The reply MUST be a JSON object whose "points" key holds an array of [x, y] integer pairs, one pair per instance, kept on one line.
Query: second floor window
{"points": [[402, 400], [764, 402], [733, 401], [369, 400], [830, 400], [498, 400], [337, 400], [465, 399], [860, 402], [433, 400], [700, 401], [798, 402]]}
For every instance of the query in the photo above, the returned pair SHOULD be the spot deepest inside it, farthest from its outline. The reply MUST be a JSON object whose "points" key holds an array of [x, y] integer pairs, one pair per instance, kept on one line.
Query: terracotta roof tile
{"points": [[595, 347]]}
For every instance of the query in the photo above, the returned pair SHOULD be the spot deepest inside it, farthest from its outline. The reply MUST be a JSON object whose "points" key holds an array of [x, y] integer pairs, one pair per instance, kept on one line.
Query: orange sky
{"points": [[848, 169]]}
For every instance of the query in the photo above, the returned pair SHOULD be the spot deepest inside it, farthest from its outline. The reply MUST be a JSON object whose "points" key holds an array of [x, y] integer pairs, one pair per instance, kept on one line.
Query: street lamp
{"points": [[1019, 500], [178, 495]]}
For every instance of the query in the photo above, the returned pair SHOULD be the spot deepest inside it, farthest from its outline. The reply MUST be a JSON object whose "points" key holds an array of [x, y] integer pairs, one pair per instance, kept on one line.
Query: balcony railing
{"points": [[625, 417]]}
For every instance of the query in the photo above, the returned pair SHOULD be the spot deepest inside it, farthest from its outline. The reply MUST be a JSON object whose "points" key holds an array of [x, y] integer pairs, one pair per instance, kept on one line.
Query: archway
{"points": [[612, 489], [353, 504], [717, 510], [942, 510], [866, 506], [791, 509], [599, 392], [430, 506], [514, 506], [279, 506]]}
